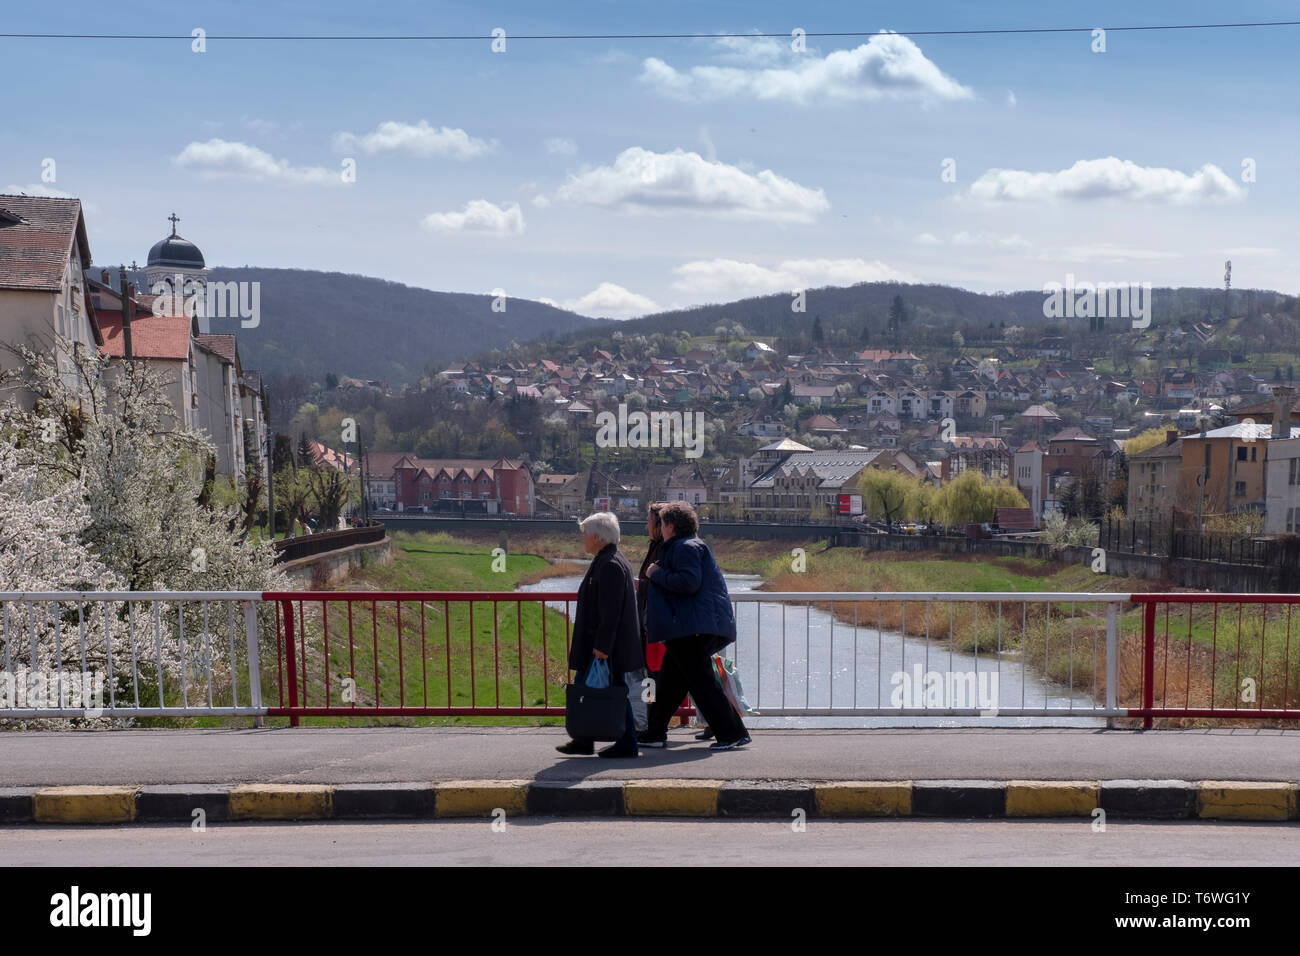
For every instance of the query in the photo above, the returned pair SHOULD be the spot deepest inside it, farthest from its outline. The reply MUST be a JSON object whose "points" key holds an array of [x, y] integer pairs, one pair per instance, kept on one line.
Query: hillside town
{"points": [[790, 436]]}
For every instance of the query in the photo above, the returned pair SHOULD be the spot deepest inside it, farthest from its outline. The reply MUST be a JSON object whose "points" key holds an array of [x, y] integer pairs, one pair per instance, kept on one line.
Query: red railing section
{"points": [[1206, 642], [322, 646], [1199, 655]]}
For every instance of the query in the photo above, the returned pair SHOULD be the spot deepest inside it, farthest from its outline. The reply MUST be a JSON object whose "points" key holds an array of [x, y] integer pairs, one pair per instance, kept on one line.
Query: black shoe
{"points": [[576, 749], [732, 745], [616, 751], [705, 734], [645, 740]]}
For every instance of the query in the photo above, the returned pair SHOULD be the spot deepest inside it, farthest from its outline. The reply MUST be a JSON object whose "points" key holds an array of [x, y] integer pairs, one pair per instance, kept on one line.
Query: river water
{"points": [[797, 658]]}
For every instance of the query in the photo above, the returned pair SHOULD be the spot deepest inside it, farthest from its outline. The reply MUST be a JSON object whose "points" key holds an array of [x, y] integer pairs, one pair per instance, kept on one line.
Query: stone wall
{"points": [[333, 568]]}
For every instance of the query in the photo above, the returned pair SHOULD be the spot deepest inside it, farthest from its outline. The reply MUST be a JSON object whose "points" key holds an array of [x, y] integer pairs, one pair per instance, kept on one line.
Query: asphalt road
{"points": [[541, 841], [399, 755]]}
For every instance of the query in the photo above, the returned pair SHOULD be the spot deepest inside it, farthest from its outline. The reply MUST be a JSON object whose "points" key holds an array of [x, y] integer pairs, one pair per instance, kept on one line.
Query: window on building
{"points": [[1252, 453], [1241, 453], [1241, 489], [1294, 463]]}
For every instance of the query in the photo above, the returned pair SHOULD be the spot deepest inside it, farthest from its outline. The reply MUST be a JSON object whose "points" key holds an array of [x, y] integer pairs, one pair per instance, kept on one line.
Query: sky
{"points": [[619, 177]]}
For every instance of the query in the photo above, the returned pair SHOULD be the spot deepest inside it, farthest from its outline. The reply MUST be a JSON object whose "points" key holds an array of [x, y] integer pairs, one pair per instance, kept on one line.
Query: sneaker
{"points": [[616, 751], [575, 749], [705, 734], [731, 745], [645, 740]]}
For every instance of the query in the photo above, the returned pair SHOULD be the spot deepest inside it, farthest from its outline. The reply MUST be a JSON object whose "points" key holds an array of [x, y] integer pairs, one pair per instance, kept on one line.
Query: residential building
{"points": [[44, 300]]}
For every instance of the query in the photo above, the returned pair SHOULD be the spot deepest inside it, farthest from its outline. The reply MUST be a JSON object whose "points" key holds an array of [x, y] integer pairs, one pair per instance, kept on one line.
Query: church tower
{"points": [[178, 265]]}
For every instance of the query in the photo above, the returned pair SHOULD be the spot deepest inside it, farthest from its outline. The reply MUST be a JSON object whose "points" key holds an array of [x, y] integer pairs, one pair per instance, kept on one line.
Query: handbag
{"points": [[725, 673], [636, 686], [595, 713]]}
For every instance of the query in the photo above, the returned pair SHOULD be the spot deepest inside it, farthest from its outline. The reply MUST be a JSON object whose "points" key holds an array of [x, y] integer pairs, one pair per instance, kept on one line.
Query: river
{"points": [[809, 661]]}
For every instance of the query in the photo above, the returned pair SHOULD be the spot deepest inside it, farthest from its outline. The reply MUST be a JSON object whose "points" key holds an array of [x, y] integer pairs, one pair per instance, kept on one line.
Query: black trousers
{"points": [[688, 667]]}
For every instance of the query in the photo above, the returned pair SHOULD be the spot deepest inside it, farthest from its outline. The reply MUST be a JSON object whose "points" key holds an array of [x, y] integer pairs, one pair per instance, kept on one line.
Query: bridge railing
{"points": [[88, 655], [896, 655], [1218, 655]]}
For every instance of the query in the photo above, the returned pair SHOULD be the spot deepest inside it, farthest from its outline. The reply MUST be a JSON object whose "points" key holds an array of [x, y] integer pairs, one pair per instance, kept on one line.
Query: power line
{"points": [[643, 36]]}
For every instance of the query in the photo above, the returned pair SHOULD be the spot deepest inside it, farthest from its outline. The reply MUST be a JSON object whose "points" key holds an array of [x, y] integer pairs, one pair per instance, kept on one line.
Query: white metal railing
{"points": [[826, 654], [130, 654]]}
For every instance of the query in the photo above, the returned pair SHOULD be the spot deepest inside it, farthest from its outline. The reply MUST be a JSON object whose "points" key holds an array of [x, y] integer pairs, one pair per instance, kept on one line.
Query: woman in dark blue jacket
{"points": [[689, 609]]}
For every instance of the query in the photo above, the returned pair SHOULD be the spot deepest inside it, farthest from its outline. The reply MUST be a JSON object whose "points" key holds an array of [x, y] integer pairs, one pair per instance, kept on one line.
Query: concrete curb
{"points": [[953, 799]]}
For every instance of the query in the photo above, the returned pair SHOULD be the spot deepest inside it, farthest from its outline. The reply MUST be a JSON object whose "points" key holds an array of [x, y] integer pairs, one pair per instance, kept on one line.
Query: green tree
{"points": [[969, 497]]}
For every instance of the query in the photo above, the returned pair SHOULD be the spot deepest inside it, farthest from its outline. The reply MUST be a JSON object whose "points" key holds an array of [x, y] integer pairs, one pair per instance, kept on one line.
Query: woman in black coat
{"points": [[605, 624]]}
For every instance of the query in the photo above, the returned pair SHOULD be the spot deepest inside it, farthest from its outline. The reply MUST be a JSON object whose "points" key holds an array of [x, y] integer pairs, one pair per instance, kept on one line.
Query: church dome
{"points": [[175, 251]]}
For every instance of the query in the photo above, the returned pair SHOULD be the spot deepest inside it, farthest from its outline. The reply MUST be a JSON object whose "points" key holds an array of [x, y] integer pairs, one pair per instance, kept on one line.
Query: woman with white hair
{"points": [[606, 625]]}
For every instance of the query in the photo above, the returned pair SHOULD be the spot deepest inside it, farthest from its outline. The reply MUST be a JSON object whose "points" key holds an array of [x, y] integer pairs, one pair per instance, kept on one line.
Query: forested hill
{"points": [[313, 323]]}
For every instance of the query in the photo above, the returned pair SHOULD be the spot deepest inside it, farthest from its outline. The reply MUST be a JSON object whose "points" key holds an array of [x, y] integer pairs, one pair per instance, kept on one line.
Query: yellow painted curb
{"points": [[85, 804], [1234, 800], [281, 801], [865, 799], [479, 798], [1052, 798], [672, 798]]}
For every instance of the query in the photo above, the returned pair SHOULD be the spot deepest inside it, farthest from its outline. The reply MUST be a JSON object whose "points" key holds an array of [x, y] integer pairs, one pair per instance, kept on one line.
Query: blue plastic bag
{"points": [[597, 674]]}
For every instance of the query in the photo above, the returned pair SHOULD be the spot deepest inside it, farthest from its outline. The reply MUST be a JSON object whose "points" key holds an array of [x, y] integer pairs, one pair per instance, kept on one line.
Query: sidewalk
{"points": [[168, 776]]}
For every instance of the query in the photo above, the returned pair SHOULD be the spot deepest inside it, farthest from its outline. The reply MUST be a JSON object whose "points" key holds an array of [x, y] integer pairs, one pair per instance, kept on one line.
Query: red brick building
{"points": [[500, 486]]}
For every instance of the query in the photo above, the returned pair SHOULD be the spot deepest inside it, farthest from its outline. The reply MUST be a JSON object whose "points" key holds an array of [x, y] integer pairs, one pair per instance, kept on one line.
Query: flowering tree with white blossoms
{"points": [[101, 478]]}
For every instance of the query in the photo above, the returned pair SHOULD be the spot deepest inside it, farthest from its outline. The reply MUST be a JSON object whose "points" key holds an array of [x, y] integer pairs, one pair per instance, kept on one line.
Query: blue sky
{"points": [[618, 177]]}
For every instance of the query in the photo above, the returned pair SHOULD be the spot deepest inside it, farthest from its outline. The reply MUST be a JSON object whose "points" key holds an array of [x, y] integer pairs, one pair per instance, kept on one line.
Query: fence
{"points": [[1138, 536], [1262, 685], [505, 654], [130, 654]]}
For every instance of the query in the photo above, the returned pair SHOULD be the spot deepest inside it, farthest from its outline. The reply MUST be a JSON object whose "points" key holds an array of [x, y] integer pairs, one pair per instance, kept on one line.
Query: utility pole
{"points": [[127, 309], [270, 463], [361, 460]]}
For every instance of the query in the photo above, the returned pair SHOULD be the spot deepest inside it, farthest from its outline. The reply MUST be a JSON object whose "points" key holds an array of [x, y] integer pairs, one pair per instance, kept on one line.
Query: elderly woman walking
{"points": [[689, 609], [606, 625]]}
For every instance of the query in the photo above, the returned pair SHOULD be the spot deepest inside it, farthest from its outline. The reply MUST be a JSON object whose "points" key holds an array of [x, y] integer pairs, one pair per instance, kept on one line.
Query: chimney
{"points": [[105, 277], [1171, 436], [1283, 402]]}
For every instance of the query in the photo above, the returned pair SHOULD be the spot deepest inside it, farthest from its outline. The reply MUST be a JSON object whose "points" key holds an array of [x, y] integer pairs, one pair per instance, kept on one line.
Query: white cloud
{"points": [[1249, 251], [887, 66], [37, 189], [1011, 98], [723, 279], [540, 201], [928, 239], [1108, 178], [418, 139], [609, 300], [1106, 252], [219, 158], [560, 146], [643, 181], [751, 49], [480, 217], [992, 240]]}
